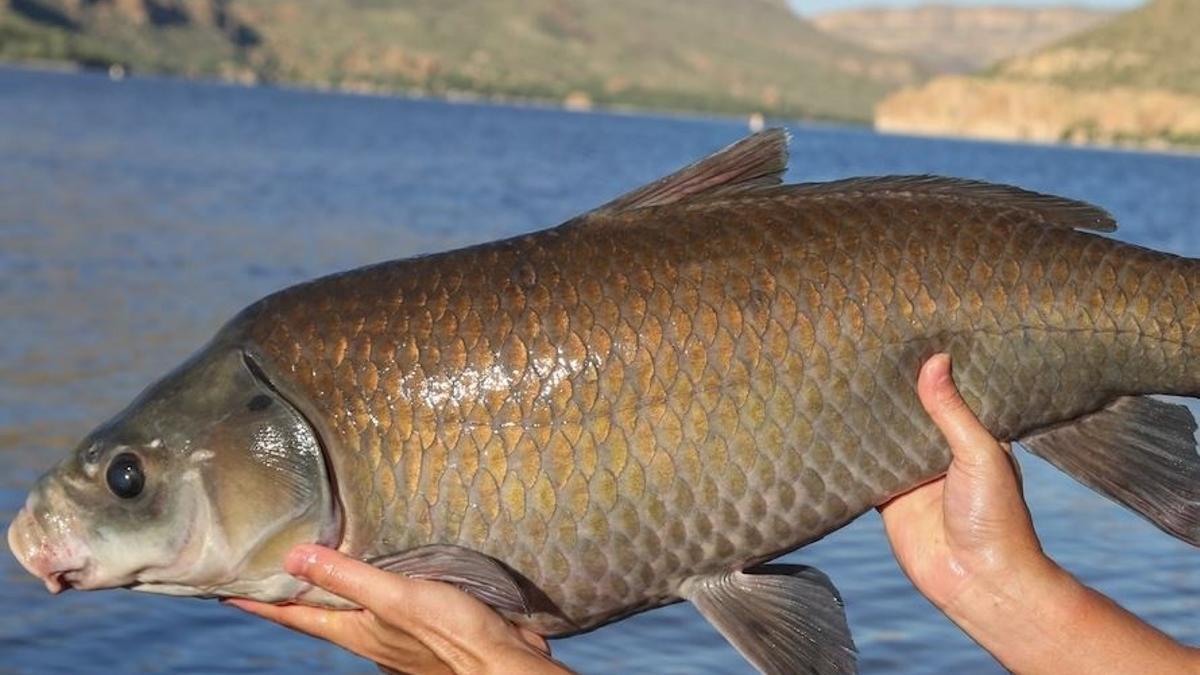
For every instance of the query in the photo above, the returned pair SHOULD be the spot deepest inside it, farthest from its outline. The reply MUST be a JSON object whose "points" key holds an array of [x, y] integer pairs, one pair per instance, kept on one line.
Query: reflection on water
{"points": [[135, 217]]}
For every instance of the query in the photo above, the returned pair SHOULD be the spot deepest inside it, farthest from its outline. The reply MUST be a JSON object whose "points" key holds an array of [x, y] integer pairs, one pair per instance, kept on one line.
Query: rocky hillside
{"points": [[703, 55], [1155, 46], [950, 39], [186, 37], [1134, 80]]}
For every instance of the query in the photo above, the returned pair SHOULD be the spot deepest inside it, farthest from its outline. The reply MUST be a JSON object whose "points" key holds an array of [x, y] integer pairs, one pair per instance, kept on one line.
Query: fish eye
{"points": [[125, 477]]}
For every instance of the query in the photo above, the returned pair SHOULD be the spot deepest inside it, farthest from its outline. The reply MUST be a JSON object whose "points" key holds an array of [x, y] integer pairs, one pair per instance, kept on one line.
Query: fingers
{"points": [[341, 575], [909, 517], [322, 623], [968, 439], [535, 640]]}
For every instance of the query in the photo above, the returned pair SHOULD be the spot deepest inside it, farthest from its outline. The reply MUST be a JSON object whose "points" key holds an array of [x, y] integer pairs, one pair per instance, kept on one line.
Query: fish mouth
{"points": [[59, 566], [63, 580]]}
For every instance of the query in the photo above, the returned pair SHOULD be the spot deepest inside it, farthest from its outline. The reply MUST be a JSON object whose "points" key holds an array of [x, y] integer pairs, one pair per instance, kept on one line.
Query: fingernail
{"points": [[945, 383], [943, 386], [299, 559]]}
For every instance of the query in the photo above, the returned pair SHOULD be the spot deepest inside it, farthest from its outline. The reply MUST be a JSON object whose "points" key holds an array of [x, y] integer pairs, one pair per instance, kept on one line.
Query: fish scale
{"points": [[624, 405], [644, 404]]}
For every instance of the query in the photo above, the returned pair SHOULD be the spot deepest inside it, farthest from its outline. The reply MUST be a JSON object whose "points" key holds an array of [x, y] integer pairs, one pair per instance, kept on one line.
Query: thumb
{"points": [[971, 443]]}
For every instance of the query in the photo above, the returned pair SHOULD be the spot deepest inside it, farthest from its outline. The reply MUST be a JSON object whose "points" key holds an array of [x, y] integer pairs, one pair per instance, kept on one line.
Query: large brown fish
{"points": [[639, 405]]}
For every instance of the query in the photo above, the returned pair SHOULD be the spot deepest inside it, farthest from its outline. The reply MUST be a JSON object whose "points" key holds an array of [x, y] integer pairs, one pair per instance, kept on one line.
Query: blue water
{"points": [[136, 216]]}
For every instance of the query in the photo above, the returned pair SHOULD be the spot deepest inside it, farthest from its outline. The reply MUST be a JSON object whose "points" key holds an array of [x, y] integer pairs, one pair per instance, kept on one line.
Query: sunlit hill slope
{"points": [[1134, 80], [732, 56]]}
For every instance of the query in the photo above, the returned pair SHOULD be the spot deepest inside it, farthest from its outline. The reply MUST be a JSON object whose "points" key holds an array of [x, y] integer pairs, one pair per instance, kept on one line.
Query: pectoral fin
{"points": [[1139, 452], [477, 574], [782, 618]]}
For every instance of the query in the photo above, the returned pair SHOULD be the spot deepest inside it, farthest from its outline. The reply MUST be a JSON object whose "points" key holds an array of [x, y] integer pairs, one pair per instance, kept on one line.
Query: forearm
{"points": [[1042, 620]]}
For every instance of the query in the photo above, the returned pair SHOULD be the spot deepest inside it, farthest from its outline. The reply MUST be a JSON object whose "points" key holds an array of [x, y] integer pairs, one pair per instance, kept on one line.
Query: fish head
{"points": [[199, 487]]}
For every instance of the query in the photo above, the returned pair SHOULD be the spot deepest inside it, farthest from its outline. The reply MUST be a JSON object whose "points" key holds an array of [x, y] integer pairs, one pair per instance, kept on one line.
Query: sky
{"points": [[814, 6]]}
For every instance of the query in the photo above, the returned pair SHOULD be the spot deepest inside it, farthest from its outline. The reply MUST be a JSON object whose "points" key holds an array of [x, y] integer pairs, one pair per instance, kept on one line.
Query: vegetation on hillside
{"points": [[1132, 81], [732, 56], [173, 36], [1152, 47], [959, 39]]}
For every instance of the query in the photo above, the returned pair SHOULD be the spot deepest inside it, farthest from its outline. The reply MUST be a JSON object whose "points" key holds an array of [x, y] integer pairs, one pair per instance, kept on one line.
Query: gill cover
{"points": [[199, 487]]}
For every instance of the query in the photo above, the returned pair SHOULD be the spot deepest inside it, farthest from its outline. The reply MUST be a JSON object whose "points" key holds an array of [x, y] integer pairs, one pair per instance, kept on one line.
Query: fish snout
{"points": [[58, 561]]}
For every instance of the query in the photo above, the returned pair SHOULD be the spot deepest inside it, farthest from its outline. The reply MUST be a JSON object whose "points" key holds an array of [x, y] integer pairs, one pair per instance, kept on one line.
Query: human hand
{"points": [[971, 526], [967, 543], [405, 625]]}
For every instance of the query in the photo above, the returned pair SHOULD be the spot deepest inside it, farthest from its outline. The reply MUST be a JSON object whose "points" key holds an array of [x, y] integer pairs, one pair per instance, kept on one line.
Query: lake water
{"points": [[136, 216]]}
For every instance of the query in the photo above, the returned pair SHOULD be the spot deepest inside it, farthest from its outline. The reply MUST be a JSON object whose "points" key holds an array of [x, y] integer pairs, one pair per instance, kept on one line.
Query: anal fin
{"points": [[477, 574], [782, 618], [1139, 452]]}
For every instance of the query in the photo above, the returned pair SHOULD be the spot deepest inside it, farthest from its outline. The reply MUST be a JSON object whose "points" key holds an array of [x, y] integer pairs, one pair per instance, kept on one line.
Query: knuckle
{"points": [[334, 578]]}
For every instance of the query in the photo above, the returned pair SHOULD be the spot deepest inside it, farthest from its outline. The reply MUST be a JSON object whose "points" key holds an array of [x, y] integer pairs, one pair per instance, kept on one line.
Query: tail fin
{"points": [[1139, 452]]}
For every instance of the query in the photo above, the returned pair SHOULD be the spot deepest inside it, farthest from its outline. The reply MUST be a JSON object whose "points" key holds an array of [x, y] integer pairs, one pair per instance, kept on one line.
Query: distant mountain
{"points": [[733, 56], [1155, 47], [950, 39], [1134, 80]]}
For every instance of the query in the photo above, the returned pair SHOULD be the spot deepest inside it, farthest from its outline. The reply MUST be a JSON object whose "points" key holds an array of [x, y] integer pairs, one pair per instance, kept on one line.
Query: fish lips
{"points": [[60, 563]]}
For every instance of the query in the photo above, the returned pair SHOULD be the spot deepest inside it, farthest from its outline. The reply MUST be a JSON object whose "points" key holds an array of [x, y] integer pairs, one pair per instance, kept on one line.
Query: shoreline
{"points": [[1152, 119], [1183, 151], [451, 96], [466, 97]]}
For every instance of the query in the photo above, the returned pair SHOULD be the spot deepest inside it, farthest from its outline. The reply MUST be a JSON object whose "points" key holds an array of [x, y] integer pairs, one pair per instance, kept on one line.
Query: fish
{"points": [[643, 405]]}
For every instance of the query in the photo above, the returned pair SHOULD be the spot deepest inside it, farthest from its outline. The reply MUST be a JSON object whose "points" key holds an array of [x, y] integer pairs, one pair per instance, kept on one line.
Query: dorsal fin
{"points": [[1048, 209], [752, 163]]}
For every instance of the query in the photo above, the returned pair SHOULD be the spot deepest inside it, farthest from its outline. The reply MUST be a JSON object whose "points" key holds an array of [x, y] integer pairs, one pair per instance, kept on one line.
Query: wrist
{"points": [[1043, 620], [1037, 593], [1010, 584]]}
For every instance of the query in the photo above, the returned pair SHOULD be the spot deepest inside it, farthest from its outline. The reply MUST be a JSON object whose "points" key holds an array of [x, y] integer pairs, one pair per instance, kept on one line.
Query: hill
{"points": [[1154, 47], [731, 56], [951, 39], [1134, 80]]}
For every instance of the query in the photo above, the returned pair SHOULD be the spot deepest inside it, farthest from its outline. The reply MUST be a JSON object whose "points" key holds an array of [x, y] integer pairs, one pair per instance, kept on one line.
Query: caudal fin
{"points": [[1138, 451]]}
